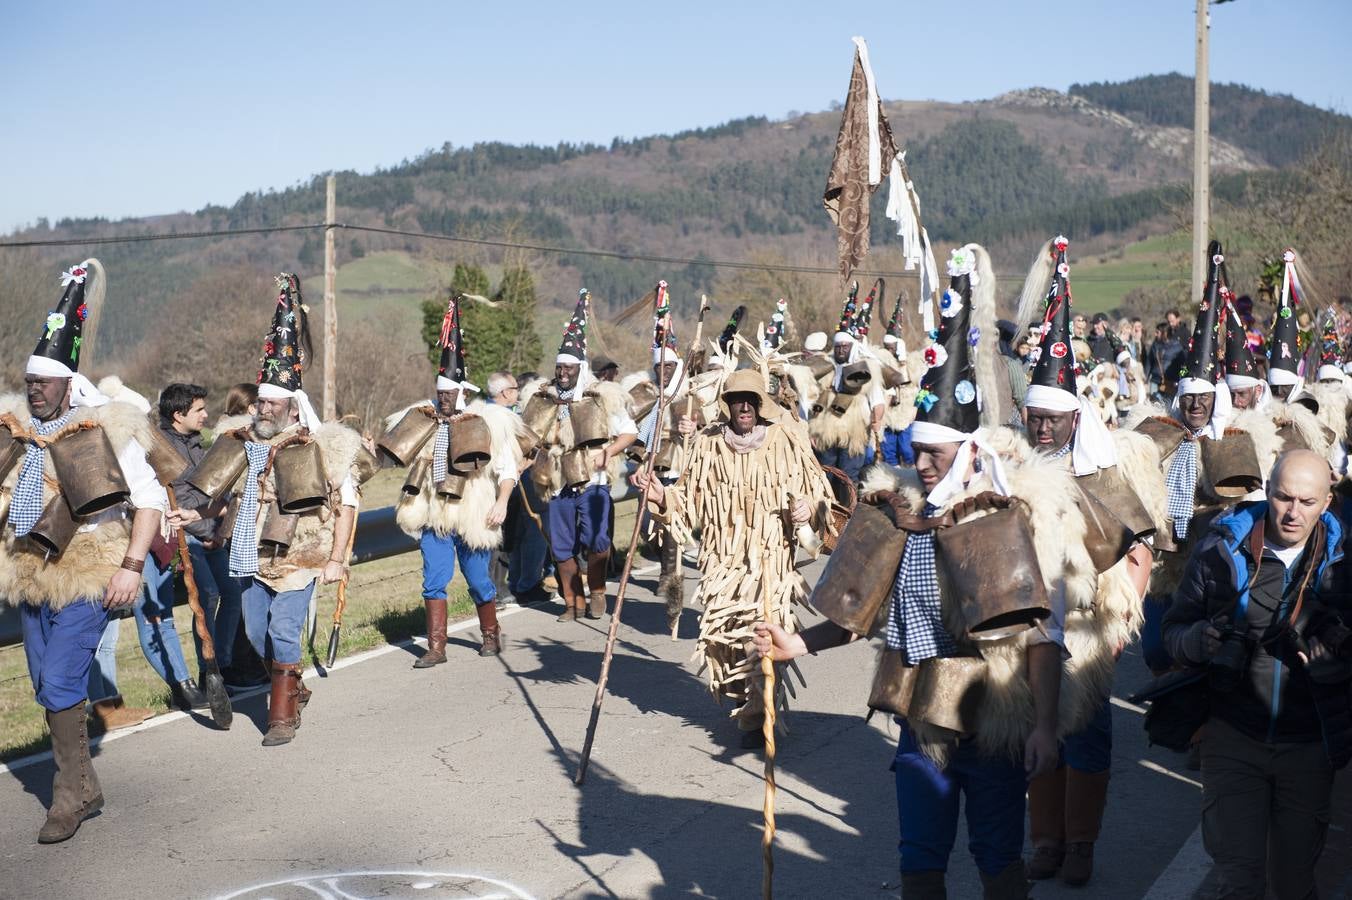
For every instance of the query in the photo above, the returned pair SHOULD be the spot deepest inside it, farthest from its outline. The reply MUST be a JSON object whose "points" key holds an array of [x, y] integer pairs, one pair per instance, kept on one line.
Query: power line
{"points": [[547, 248]]}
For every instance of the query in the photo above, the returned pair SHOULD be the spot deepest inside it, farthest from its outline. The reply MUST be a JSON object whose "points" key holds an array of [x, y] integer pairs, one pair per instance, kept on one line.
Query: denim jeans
{"points": [[850, 464], [159, 640], [219, 594], [527, 566], [439, 555], [59, 646], [927, 806], [273, 620], [103, 671]]}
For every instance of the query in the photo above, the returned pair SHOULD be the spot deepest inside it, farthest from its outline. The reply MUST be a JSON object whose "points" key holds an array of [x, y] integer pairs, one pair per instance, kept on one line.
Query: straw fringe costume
{"points": [[739, 502]]}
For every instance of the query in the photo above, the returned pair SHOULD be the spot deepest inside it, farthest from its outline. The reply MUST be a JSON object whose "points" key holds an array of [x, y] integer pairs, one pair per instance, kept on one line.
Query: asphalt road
{"points": [[457, 782]]}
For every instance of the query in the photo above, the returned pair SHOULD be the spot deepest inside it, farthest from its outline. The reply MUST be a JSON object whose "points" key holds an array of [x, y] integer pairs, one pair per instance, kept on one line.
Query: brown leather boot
{"points": [[1010, 884], [113, 713], [76, 794], [596, 584], [283, 711], [570, 588], [1047, 824], [436, 635], [492, 632], [923, 886], [1086, 797]]}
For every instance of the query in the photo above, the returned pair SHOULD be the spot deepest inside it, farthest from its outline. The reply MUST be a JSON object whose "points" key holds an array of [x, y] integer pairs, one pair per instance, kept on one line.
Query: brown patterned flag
{"points": [[850, 183]]}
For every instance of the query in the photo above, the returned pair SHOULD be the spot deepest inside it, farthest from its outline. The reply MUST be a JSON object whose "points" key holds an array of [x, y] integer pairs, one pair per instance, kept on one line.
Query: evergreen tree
{"points": [[497, 337]]}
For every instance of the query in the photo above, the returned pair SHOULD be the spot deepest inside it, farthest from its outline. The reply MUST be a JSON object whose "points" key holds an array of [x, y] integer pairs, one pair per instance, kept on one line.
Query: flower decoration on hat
{"points": [[950, 304], [935, 355]]}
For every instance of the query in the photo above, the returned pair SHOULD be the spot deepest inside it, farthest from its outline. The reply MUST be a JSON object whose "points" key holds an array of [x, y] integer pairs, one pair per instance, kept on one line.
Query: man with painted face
{"points": [[62, 569], [985, 754], [578, 515], [853, 419], [751, 485], [1065, 806], [458, 511], [278, 581]]}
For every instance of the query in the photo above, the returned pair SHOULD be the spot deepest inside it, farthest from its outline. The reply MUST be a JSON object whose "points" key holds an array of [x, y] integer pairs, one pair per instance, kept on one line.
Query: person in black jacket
{"points": [[1261, 605]]}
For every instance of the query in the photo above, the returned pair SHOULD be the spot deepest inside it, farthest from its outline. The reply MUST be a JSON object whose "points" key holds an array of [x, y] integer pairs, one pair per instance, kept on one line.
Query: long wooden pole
{"points": [[212, 682], [341, 605], [330, 303], [688, 439], [614, 629], [768, 730]]}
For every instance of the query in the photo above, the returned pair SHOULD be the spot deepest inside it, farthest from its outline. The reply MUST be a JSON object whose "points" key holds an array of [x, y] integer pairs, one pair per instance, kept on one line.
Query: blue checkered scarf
{"points": [[26, 506], [441, 450], [244, 539], [648, 429], [1181, 487], [916, 623]]}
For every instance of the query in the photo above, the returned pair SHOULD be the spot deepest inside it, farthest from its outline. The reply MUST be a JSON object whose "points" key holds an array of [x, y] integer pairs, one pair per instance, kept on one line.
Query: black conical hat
{"points": [[286, 349], [774, 332], [452, 343], [1238, 355], [1330, 351], [63, 329], [1056, 366], [849, 313], [1284, 348], [894, 323], [865, 316], [947, 395], [574, 343], [730, 330], [664, 329], [1203, 357]]}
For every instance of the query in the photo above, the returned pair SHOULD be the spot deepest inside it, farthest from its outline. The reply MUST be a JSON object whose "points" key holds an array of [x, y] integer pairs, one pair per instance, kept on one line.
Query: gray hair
{"points": [[499, 382]]}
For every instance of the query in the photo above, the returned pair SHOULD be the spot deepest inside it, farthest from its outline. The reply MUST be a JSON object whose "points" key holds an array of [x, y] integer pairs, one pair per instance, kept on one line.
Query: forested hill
{"points": [[1275, 128], [1105, 161]]}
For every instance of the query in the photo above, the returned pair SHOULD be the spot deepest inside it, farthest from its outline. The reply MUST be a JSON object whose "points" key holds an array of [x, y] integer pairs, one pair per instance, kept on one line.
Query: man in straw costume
{"points": [[977, 704], [278, 555], [853, 403], [67, 561], [456, 513], [575, 470], [1119, 475], [750, 484]]}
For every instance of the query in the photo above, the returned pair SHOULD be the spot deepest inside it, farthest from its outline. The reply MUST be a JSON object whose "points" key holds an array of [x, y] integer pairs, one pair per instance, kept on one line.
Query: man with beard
{"points": [[749, 485], [278, 582], [64, 571], [852, 419]]}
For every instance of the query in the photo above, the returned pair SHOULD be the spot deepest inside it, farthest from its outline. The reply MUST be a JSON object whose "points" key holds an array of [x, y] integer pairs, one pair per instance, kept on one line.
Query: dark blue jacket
{"points": [[1277, 702]]}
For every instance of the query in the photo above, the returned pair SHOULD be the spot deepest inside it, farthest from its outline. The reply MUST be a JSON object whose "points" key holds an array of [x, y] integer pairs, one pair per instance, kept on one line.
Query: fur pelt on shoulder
{"points": [[1332, 407], [1138, 461], [468, 516], [1262, 424], [849, 429], [93, 555]]}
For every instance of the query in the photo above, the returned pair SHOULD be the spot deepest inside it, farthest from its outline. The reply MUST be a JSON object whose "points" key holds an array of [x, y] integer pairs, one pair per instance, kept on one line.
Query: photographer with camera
{"points": [[1262, 606]]}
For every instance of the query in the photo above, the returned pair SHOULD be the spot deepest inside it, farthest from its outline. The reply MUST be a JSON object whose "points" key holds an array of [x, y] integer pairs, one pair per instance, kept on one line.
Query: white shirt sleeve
{"points": [[622, 423], [1054, 625], [146, 490], [347, 493], [505, 468], [875, 396]]}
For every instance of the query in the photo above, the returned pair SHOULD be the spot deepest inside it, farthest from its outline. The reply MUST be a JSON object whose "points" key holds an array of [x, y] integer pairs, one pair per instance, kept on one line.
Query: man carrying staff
{"points": [[64, 597], [276, 586], [750, 483]]}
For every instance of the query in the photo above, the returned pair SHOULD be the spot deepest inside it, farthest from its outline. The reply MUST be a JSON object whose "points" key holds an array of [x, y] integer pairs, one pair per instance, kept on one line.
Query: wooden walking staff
{"points": [[613, 631], [689, 439], [212, 682], [767, 667], [332, 656]]}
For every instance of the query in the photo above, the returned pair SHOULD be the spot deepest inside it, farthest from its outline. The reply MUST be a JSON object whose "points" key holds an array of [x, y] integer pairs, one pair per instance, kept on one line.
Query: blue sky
{"points": [[135, 108]]}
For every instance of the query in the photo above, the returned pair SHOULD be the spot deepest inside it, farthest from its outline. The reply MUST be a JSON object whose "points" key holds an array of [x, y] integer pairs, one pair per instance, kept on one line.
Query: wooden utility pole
{"points": [[1201, 153], [331, 306]]}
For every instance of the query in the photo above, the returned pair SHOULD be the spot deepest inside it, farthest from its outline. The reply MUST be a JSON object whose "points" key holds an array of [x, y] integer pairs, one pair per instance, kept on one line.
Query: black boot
{"points": [[187, 695]]}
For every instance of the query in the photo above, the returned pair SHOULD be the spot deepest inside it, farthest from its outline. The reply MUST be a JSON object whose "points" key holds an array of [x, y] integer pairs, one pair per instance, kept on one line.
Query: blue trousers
{"points": [[219, 594], [1152, 633], [274, 620], [60, 647], [159, 639], [927, 806], [1090, 750], [579, 523], [439, 555], [850, 464], [103, 670]]}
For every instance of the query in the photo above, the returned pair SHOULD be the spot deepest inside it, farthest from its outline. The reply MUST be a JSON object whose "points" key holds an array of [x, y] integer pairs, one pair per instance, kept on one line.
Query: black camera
{"points": [[1230, 663], [1288, 641]]}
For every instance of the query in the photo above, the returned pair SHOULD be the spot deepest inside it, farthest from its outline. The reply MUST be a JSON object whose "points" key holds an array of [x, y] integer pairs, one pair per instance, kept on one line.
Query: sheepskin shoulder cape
{"points": [[312, 545], [93, 555], [1101, 613], [547, 470], [848, 427], [468, 516]]}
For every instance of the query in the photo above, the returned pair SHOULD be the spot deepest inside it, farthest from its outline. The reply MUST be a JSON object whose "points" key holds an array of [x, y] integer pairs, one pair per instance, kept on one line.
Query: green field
{"points": [[1101, 283]]}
